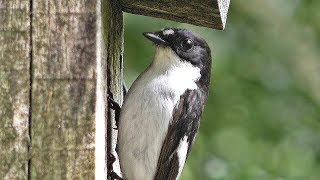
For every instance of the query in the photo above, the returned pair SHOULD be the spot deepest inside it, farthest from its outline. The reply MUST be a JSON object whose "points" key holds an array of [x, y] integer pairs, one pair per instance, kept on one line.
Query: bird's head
{"points": [[186, 45]]}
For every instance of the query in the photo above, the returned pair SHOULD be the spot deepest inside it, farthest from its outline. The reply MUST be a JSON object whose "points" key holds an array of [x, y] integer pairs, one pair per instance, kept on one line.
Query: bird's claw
{"points": [[115, 106]]}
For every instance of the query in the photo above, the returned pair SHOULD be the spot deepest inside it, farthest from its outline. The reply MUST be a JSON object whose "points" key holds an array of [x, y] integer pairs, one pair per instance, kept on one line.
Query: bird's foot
{"points": [[114, 176], [111, 174], [115, 106]]}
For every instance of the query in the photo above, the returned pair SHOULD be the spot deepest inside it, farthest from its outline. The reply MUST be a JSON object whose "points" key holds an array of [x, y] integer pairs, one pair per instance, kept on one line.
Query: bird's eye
{"points": [[187, 44]]}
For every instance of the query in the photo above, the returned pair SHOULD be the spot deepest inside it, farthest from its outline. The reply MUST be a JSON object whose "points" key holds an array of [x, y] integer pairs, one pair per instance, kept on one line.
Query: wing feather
{"points": [[184, 126]]}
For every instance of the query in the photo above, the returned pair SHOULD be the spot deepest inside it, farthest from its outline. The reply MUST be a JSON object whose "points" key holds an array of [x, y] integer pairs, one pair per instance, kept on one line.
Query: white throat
{"points": [[180, 72], [165, 58]]}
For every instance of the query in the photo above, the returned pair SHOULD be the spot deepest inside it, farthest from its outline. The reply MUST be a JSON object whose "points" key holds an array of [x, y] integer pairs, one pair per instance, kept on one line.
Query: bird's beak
{"points": [[156, 37]]}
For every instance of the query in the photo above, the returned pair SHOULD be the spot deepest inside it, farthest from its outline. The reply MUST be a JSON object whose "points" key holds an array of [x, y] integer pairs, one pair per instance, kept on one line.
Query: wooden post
{"points": [[59, 60], [64, 79], [14, 89], [112, 50]]}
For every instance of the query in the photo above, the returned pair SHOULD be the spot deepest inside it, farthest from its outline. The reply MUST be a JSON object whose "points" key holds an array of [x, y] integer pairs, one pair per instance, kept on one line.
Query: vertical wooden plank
{"points": [[64, 89], [14, 88], [113, 51], [101, 170], [109, 80]]}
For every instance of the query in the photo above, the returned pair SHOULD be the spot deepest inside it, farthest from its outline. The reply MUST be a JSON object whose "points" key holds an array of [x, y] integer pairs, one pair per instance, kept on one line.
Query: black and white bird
{"points": [[161, 112]]}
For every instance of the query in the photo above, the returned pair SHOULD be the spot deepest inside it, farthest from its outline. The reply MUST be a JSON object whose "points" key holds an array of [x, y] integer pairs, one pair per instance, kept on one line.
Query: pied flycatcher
{"points": [[161, 112]]}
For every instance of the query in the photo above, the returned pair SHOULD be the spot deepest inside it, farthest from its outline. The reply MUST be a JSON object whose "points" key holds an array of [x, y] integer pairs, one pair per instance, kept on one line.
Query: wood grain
{"points": [[14, 88], [208, 13], [113, 55], [63, 129], [63, 89]]}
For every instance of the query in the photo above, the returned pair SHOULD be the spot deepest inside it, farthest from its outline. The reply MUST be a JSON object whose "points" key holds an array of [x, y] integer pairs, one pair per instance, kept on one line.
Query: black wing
{"points": [[185, 122]]}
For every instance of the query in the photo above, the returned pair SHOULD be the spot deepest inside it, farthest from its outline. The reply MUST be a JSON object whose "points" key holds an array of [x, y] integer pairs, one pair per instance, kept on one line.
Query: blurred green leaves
{"points": [[262, 119]]}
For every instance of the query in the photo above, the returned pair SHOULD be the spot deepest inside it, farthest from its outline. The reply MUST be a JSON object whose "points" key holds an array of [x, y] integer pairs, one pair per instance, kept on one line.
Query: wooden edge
{"points": [[101, 89], [223, 9], [112, 53], [213, 16]]}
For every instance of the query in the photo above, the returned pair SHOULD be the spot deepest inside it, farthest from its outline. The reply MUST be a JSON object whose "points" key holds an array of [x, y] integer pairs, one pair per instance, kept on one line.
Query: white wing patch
{"points": [[168, 32], [182, 153]]}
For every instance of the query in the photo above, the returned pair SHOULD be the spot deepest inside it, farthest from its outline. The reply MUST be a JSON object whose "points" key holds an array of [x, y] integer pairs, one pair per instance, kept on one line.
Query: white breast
{"points": [[147, 111]]}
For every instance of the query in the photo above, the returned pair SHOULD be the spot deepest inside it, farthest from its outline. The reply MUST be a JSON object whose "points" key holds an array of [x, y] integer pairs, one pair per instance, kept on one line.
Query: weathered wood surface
{"points": [[58, 61], [14, 88], [101, 170], [56, 57], [208, 13], [63, 89], [112, 54]]}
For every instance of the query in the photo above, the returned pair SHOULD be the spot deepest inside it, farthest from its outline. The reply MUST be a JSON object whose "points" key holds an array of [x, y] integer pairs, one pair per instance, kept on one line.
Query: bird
{"points": [[161, 112]]}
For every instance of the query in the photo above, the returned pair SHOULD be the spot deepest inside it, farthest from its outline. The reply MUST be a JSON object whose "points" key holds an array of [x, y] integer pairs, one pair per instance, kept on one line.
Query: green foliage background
{"points": [[262, 119]]}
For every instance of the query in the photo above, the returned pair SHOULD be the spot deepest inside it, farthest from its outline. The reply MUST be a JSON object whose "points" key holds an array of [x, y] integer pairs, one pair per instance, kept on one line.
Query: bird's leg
{"points": [[114, 176], [115, 106], [124, 89], [111, 174]]}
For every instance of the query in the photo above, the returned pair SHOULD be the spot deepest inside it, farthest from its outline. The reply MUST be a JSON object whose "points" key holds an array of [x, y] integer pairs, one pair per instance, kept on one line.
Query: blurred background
{"points": [[262, 119]]}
